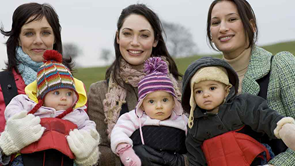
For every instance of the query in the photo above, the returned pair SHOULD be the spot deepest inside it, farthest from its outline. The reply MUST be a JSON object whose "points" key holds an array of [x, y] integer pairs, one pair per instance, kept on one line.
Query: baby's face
{"points": [[158, 105], [59, 99], [209, 94]]}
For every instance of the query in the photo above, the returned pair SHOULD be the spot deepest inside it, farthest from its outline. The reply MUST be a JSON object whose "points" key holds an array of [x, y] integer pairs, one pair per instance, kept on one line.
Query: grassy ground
{"points": [[94, 74], [90, 75], [285, 46]]}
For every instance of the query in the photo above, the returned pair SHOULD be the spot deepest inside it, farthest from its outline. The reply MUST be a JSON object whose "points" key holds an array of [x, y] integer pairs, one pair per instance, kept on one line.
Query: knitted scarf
{"points": [[116, 95], [26, 66]]}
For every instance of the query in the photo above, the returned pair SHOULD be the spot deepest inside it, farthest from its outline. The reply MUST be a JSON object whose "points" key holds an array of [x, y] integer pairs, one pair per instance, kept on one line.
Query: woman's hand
{"points": [[173, 159], [150, 156]]}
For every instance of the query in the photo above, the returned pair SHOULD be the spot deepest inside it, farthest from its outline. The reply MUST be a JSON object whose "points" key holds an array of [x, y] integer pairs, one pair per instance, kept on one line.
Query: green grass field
{"points": [[91, 75]]}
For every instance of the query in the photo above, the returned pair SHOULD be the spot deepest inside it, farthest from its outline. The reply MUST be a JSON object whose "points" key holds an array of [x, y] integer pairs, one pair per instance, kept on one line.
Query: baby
{"points": [[66, 133], [157, 121], [224, 127]]}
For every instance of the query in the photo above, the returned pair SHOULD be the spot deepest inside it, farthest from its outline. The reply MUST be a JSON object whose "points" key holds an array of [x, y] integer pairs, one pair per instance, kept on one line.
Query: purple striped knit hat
{"points": [[156, 79]]}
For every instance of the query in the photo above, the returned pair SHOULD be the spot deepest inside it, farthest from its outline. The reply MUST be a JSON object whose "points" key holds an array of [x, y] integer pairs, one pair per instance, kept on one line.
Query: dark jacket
{"points": [[20, 84], [236, 112]]}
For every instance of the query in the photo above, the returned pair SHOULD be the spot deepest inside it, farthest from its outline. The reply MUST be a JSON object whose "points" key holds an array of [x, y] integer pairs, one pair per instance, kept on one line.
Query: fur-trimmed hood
{"points": [[205, 62]]}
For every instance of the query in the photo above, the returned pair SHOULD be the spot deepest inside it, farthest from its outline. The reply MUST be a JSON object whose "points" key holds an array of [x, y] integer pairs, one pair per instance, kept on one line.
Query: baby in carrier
{"points": [[56, 101]]}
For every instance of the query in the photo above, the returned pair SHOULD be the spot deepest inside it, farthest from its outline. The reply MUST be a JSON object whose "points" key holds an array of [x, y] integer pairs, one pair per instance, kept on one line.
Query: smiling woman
{"points": [[36, 37], [232, 29], [138, 37]]}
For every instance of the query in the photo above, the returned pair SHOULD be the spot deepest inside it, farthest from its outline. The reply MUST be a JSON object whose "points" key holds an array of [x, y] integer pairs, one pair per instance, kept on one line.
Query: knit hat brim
{"points": [[177, 107], [31, 91]]}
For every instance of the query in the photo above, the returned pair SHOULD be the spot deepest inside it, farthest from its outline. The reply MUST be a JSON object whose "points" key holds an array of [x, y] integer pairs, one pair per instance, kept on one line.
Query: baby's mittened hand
{"points": [[20, 131], [84, 145], [127, 155], [285, 130], [287, 133]]}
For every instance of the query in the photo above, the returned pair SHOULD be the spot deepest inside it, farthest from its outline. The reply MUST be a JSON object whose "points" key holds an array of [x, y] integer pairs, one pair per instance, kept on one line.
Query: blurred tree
{"points": [[71, 50], [106, 55], [179, 40]]}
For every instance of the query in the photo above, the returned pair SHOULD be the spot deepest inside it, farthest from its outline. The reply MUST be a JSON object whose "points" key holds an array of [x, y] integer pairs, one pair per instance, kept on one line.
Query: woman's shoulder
{"points": [[285, 57], [101, 85], [281, 56], [260, 51], [283, 63], [281, 60]]}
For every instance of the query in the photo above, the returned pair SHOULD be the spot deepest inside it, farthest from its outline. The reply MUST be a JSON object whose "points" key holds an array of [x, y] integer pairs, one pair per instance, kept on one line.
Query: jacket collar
{"points": [[259, 67]]}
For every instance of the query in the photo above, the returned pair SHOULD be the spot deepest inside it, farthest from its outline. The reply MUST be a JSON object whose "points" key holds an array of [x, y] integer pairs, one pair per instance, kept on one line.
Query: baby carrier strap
{"points": [[49, 157], [263, 83], [277, 145], [8, 86]]}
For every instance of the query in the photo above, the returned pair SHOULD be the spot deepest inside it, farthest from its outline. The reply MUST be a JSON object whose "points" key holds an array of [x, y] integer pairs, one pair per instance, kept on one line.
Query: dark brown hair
{"points": [[159, 50], [247, 16], [20, 17]]}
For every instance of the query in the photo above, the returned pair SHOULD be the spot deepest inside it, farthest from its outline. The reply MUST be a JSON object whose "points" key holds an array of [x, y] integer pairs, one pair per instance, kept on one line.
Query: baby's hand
{"points": [[85, 146], [287, 133], [20, 131], [127, 155]]}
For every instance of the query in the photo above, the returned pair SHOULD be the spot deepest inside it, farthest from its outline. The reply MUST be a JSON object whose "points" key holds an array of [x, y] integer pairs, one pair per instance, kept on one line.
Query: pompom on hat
{"points": [[156, 79], [53, 75]]}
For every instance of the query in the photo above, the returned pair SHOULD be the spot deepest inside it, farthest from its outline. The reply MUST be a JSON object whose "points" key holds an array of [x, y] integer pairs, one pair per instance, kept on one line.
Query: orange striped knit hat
{"points": [[53, 74]]}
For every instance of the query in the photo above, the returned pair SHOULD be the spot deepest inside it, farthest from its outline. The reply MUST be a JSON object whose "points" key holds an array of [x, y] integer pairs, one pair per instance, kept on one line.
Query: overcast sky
{"points": [[91, 24]]}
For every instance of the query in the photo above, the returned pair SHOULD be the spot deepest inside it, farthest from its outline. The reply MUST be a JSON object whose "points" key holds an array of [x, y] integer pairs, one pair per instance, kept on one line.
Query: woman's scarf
{"points": [[116, 95], [26, 66]]}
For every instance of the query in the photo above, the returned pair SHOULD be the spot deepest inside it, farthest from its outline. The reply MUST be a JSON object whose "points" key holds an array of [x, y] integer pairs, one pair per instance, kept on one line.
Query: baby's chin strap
{"points": [[36, 107], [140, 130]]}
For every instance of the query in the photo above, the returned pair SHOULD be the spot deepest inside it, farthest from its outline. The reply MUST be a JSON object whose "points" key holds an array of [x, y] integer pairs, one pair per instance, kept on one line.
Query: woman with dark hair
{"points": [[138, 37], [232, 29], [35, 29]]}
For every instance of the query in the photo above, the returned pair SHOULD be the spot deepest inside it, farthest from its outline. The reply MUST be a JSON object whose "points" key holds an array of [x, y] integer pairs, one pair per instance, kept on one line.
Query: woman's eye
{"points": [[215, 22], [126, 33], [56, 92], [29, 34], [232, 19], [144, 36], [46, 33], [165, 99]]}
